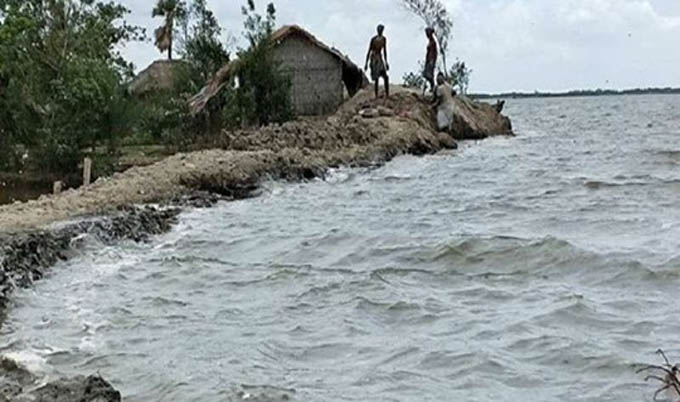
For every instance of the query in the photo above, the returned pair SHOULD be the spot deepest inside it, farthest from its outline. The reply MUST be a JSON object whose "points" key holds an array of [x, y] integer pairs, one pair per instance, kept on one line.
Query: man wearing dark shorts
{"points": [[430, 58], [377, 55]]}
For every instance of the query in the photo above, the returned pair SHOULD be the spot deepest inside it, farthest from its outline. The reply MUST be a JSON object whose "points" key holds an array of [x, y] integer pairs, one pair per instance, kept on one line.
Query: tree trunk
{"points": [[446, 69], [170, 50]]}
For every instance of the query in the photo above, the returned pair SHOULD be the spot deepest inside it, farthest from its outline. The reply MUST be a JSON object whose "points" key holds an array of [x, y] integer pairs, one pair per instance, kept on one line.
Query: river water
{"points": [[539, 268]]}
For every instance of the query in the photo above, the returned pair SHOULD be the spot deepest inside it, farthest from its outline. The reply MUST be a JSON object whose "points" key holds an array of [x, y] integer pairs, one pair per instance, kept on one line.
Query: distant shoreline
{"points": [[579, 93]]}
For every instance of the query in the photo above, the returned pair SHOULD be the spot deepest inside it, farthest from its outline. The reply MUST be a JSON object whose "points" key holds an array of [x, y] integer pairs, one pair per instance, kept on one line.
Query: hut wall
{"points": [[316, 75]]}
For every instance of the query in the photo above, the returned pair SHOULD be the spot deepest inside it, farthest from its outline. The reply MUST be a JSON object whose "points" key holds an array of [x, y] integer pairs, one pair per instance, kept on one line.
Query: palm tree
{"points": [[171, 10]]}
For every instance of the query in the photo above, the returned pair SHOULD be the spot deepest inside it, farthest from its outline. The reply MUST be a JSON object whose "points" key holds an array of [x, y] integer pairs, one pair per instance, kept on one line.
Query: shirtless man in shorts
{"points": [[377, 55], [430, 59]]}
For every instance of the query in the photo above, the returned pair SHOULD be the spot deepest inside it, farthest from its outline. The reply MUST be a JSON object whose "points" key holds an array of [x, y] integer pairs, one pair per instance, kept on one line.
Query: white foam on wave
{"points": [[338, 176], [31, 360]]}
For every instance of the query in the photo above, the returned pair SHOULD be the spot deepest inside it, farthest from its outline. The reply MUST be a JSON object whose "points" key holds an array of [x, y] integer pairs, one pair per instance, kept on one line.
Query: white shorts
{"points": [[444, 117]]}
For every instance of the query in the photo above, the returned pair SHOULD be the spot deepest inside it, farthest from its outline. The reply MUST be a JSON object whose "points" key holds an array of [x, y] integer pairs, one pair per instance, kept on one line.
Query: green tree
{"points": [[459, 76], [253, 88], [167, 117], [61, 76], [205, 54], [171, 10], [263, 94], [203, 51]]}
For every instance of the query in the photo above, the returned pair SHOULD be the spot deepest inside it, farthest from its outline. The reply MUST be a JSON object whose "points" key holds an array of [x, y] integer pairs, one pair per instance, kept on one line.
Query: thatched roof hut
{"points": [[320, 74], [158, 76]]}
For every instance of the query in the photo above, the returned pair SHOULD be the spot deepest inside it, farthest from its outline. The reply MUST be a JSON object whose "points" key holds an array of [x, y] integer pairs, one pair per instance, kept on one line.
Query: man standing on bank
{"points": [[430, 59], [379, 65]]}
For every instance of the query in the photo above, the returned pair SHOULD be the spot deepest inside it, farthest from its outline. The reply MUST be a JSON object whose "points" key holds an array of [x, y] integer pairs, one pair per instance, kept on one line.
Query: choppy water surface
{"points": [[542, 268]]}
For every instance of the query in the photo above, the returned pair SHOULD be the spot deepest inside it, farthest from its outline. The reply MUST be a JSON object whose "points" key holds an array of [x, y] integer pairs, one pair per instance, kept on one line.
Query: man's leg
{"points": [[387, 86]]}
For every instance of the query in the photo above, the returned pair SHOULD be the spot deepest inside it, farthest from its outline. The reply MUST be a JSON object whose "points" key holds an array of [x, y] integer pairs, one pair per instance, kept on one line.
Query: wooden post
{"points": [[57, 187], [87, 171]]}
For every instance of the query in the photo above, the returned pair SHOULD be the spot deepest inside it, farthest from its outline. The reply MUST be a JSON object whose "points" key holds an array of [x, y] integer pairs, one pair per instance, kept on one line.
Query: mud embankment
{"points": [[296, 150], [25, 257], [233, 169]]}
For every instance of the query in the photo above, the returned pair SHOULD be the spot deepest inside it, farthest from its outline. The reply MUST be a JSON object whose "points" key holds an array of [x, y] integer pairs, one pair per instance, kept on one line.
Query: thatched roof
{"points": [[158, 76], [286, 31], [352, 75]]}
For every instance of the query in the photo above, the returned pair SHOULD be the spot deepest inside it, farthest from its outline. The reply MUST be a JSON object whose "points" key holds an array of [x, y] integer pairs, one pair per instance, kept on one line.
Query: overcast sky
{"points": [[521, 45]]}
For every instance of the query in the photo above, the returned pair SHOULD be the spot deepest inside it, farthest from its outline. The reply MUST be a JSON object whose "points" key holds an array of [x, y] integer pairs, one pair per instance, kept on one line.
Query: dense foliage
{"points": [[459, 76], [63, 81], [167, 116], [203, 50], [60, 78], [255, 92], [263, 92]]}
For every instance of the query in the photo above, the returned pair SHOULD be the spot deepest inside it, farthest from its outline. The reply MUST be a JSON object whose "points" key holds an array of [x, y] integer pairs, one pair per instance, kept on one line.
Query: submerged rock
{"points": [[19, 385], [13, 380], [478, 120], [447, 141], [78, 389], [251, 393]]}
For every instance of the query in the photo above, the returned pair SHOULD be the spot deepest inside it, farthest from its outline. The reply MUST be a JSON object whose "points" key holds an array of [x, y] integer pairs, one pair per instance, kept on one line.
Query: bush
{"points": [[459, 76], [263, 95], [415, 80]]}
